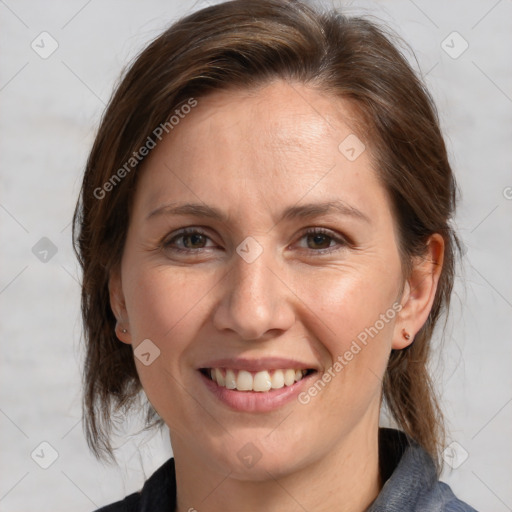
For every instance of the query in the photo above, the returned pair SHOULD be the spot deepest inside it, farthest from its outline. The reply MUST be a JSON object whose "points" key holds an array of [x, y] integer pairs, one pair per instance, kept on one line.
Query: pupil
{"points": [[318, 238], [194, 239]]}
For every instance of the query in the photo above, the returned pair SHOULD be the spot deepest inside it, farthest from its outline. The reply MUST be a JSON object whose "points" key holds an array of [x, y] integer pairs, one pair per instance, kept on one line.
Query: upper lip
{"points": [[255, 365]]}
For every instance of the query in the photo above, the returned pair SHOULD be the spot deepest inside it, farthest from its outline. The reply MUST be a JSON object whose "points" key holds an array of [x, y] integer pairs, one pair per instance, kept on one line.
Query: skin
{"points": [[252, 154]]}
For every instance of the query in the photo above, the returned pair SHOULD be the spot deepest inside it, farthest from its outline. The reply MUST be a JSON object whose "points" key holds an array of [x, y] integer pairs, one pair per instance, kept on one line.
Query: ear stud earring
{"points": [[124, 331], [406, 335]]}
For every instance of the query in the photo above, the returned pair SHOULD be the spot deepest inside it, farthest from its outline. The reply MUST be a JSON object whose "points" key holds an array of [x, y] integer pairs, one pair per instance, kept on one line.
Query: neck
{"points": [[346, 479]]}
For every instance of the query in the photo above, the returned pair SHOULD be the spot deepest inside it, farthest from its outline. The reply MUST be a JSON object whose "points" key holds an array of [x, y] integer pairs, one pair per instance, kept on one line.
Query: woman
{"points": [[264, 231]]}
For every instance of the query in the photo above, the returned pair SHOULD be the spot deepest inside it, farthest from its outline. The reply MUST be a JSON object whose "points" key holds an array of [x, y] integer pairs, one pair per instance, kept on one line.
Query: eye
{"points": [[319, 240], [193, 240]]}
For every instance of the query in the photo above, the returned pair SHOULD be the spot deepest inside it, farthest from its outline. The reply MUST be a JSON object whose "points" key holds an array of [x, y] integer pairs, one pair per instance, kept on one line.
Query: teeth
{"points": [[244, 381], [259, 381], [289, 377], [277, 379], [230, 379], [262, 381], [218, 377]]}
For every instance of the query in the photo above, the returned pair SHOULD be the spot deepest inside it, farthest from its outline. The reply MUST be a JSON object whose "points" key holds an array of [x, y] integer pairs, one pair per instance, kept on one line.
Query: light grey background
{"points": [[50, 109]]}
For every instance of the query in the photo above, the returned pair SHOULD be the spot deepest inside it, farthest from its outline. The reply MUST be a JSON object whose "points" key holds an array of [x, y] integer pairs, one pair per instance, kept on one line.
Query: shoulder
{"points": [[411, 482], [442, 499], [451, 503], [157, 494], [129, 504]]}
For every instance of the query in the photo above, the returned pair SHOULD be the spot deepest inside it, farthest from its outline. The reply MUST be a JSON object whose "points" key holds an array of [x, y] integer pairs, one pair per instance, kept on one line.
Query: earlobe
{"points": [[419, 293], [118, 305], [123, 334]]}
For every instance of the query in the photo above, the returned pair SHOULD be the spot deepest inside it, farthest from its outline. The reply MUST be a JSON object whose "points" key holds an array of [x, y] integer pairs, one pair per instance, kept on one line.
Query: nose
{"points": [[256, 301]]}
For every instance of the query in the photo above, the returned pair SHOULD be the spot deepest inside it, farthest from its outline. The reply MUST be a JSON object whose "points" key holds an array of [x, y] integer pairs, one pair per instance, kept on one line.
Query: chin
{"points": [[247, 457]]}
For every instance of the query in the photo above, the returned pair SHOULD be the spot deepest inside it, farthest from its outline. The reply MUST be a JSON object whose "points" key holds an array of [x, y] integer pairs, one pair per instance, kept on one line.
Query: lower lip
{"points": [[255, 401]]}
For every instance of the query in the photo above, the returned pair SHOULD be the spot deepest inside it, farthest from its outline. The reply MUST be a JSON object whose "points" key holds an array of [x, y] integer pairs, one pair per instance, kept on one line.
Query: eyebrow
{"points": [[304, 211]]}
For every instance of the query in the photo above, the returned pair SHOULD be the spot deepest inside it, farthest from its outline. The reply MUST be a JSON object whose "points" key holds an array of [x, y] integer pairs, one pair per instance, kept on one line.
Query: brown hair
{"points": [[246, 43]]}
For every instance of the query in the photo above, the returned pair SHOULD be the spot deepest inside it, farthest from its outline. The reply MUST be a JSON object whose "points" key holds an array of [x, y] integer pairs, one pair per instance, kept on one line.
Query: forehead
{"points": [[255, 146], [279, 115]]}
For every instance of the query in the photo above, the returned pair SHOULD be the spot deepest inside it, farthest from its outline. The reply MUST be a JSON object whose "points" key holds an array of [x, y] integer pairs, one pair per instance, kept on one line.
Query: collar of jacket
{"points": [[411, 480]]}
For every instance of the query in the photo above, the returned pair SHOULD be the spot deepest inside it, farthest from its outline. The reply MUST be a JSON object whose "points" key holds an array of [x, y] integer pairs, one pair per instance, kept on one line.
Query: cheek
{"points": [[357, 319], [165, 306], [160, 301], [356, 344], [350, 301]]}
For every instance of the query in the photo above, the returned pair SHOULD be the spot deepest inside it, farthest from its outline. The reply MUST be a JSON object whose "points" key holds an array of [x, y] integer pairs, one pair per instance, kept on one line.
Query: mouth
{"points": [[263, 381]]}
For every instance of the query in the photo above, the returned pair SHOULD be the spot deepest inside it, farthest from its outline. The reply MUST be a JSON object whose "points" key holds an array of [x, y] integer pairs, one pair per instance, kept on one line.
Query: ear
{"points": [[118, 305], [419, 292]]}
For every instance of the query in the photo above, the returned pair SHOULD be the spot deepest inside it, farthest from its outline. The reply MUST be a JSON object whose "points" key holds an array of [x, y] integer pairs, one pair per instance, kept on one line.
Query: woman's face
{"points": [[273, 281]]}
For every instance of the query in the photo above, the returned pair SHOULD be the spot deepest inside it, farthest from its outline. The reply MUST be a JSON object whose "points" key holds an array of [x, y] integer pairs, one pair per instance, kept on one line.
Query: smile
{"points": [[261, 381]]}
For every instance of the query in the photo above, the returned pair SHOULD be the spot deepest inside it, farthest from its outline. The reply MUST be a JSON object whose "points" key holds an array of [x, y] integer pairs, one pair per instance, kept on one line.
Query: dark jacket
{"points": [[411, 483]]}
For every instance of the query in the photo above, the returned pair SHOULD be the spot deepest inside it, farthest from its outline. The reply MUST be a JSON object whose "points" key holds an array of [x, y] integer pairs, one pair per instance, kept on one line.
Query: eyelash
{"points": [[309, 232]]}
